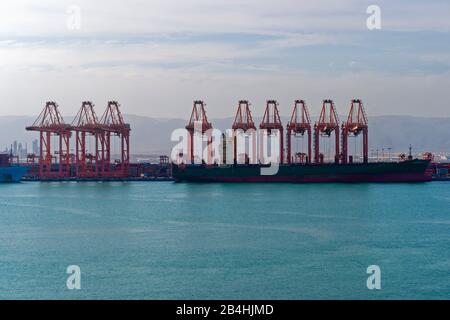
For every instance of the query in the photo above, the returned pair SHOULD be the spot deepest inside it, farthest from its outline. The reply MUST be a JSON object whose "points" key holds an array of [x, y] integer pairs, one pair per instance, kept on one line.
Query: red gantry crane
{"points": [[271, 121], [242, 121], [86, 124], [198, 120], [299, 124], [112, 123], [355, 124], [50, 122], [328, 122]]}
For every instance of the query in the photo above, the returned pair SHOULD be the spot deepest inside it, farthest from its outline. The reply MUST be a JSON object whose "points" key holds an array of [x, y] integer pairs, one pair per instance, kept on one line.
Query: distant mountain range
{"points": [[152, 135]]}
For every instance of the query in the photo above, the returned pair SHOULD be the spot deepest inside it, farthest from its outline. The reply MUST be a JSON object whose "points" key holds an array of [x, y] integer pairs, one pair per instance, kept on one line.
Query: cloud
{"points": [[157, 56], [26, 17], [162, 92]]}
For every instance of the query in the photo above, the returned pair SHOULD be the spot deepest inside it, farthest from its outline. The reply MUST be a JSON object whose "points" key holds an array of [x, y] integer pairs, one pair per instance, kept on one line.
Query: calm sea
{"points": [[166, 240]]}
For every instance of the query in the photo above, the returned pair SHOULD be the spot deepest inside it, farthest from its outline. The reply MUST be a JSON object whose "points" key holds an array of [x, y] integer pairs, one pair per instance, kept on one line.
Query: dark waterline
{"points": [[139, 240]]}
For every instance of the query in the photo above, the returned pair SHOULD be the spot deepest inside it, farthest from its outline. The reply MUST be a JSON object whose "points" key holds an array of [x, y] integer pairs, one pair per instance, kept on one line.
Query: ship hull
{"points": [[407, 171], [12, 173]]}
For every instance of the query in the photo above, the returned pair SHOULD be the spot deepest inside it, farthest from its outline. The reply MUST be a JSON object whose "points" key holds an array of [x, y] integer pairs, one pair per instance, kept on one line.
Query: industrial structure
{"points": [[299, 124], [300, 169], [198, 123], [243, 121], [113, 124], [327, 124], [356, 123], [86, 124], [271, 121], [92, 138], [50, 122], [84, 163]]}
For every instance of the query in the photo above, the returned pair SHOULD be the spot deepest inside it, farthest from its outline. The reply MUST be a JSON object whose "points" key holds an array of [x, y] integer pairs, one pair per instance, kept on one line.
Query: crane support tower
{"points": [[198, 119], [50, 122], [86, 124], [112, 123], [271, 121], [327, 124], [299, 124], [356, 123], [242, 121]]}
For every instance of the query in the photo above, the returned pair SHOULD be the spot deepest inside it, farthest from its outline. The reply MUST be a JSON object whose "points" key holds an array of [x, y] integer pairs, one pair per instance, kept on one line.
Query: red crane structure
{"points": [[356, 123], [328, 122], [50, 122], [112, 123], [299, 123], [86, 124], [242, 121], [271, 121], [198, 121]]}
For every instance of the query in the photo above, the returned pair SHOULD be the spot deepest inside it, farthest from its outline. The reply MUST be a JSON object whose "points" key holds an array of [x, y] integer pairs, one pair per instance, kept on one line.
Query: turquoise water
{"points": [[164, 240]]}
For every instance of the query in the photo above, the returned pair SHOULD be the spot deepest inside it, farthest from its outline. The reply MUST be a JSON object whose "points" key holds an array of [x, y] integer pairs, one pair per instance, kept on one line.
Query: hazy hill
{"points": [[152, 135]]}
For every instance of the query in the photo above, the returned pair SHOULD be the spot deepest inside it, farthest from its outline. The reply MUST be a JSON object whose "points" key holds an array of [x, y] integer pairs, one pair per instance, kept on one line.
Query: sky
{"points": [[156, 57]]}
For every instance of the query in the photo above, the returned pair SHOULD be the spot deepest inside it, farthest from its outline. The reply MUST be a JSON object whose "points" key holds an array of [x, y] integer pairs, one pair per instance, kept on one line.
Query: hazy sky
{"points": [[155, 57]]}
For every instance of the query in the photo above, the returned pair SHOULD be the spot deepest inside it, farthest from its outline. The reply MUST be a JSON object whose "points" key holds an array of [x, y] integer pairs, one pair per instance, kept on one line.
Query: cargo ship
{"points": [[406, 171], [299, 167], [10, 172]]}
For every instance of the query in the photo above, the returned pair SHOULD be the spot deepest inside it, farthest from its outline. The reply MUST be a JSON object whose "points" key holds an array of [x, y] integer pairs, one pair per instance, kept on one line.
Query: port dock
{"points": [[84, 149], [92, 158]]}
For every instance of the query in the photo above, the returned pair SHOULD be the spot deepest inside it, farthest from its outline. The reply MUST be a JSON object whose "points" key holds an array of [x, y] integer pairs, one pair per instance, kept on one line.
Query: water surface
{"points": [[166, 240]]}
